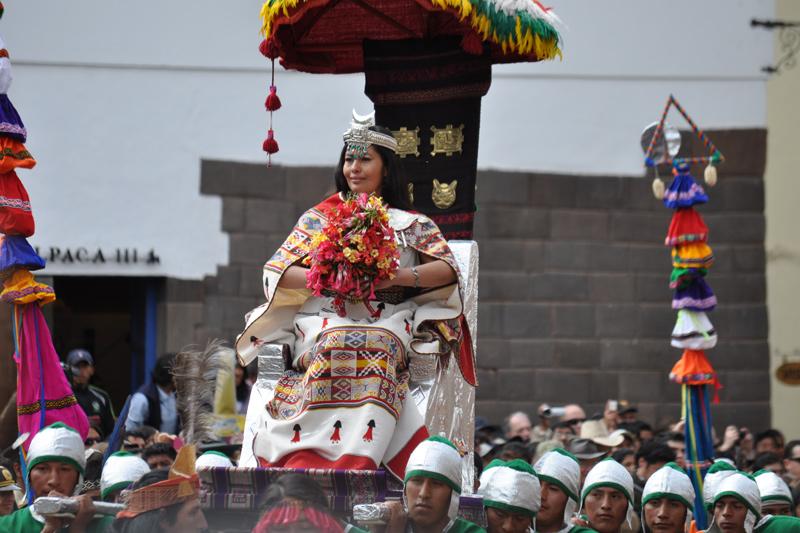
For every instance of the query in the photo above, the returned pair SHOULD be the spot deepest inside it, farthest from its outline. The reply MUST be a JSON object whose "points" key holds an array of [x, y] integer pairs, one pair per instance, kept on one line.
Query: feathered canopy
{"points": [[325, 36]]}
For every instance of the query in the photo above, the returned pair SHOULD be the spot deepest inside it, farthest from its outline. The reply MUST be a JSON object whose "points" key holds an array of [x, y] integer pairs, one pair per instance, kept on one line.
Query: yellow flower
{"points": [[318, 239], [374, 253], [350, 254]]}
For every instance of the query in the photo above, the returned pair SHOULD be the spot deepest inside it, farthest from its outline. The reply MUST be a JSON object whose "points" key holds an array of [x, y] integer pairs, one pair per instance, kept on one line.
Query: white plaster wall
{"points": [[123, 100]]}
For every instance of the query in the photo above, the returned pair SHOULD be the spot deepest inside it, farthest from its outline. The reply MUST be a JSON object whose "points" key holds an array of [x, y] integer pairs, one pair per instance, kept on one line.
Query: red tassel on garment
{"points": [[268, 49], [272, 103]]}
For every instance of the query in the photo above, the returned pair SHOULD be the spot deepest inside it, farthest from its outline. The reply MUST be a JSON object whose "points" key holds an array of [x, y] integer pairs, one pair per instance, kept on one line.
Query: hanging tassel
{"points": [[270, 144], [710, 175], [272, 103], [658, 188]]}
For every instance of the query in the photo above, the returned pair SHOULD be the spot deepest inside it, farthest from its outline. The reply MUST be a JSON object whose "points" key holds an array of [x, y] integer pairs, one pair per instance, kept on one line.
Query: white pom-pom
{"points": [[658, 189], [710, 175]]}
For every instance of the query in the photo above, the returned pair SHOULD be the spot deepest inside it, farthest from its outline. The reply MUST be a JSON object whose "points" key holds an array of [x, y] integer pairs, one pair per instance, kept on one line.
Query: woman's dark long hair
{"points": [[298, 487], [394, 188]]}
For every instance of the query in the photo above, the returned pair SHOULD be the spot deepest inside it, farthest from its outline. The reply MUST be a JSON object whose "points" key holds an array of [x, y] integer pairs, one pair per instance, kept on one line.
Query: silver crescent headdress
{"points": [[359, 136]]}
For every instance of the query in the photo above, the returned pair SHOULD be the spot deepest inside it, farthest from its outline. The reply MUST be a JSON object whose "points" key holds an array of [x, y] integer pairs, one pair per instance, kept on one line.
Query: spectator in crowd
{"points": [[560, 477], [8, 485], [588, 454], [543, 430], [667, 501], [511, 496], [242, 389], [517, 424], [159, 455], [607, 497], [94, 437], [563, 433], [515, 449], [776, 498], [610, 418], [651, 457], [628, 414], [432, 486], [627, 458], [121, 470], [165, 501], [595, 431], [154, 403], [56, 463], [574, 416], [791, 462], [94, 401], [139, 438], [642, 431], [675, 441], [768, 461], [769, 441]]}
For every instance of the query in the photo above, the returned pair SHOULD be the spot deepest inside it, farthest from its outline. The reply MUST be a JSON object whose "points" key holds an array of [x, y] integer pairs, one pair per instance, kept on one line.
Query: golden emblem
{"points": [[411, 192], [444, 194], [407, 141], [447, 140]]}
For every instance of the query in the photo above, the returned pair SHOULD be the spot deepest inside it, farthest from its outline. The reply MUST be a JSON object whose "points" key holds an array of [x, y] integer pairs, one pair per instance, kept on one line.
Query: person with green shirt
{"points": [[55, 468], [667, 501], [560, 479], [511, 496], [431, 489], [607, 496]]}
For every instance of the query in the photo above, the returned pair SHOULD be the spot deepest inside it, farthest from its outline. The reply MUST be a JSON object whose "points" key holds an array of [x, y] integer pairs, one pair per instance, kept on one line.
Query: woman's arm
{"points": [[432, 273], [293, 278]]}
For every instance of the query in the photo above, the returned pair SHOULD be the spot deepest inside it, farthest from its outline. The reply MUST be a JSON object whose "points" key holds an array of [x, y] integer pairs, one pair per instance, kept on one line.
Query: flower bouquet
{"points": [[353, 252]]}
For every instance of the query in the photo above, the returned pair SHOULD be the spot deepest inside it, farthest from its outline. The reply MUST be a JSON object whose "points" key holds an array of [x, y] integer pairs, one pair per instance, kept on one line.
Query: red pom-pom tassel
{"points": [[268, 49], [273, 103], [270, 144]]}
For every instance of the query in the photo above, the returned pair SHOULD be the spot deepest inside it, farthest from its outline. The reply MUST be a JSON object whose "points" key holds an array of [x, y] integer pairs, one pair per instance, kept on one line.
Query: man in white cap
{"points": [[737, 504], [607, 496], [511, 496], [776, 497], [213, 459], [56, 464], [121, 470], [7, 488], [560, 479], [667, 501], [432, 486]]}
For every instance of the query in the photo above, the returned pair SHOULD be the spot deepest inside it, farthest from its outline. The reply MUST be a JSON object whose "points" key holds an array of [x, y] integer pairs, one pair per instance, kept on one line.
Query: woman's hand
{"points": [[431, 273]]}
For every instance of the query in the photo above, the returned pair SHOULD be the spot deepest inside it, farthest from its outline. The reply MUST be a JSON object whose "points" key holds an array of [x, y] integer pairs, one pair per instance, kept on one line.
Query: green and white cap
{"points": [[743, 487], [437, 458], [718, 471], [611, 474], [511, 486], [561, 468], [121, 470], [59, 443], [213, 459], [672, 483], [669, 482], [772, 488]]}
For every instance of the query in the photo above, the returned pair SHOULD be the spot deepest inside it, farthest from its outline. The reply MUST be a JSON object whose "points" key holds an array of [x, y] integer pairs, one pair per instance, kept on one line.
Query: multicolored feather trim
{"points": [[517, 26]]}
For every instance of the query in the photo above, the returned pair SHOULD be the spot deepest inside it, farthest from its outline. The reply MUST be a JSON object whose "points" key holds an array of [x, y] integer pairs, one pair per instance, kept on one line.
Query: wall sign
{"points": [[83, 255]]}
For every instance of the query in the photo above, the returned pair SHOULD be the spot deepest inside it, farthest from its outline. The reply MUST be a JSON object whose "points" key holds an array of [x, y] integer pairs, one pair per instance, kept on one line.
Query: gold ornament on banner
{"points": [[444, 194], [447, 140], [407, 141]]}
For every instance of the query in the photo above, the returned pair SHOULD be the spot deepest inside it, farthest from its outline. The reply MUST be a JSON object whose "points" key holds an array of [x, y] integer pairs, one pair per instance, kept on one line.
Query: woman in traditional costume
{"points": [[345, 402]]}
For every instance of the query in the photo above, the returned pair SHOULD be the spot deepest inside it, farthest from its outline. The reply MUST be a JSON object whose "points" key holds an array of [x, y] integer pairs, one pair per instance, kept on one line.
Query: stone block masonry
{"points": [[574, 297]]}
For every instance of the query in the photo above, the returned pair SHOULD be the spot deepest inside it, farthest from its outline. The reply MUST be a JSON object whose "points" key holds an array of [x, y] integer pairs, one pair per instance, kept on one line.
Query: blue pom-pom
{"points": [[648, 161]]}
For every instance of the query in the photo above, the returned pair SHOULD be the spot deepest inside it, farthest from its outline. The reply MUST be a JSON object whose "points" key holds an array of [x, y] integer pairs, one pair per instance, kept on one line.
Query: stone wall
{"points": [[574, 297]]}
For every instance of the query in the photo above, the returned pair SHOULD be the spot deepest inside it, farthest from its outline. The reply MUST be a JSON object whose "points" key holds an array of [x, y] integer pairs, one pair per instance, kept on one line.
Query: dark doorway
{"points": [[115, 319]]}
